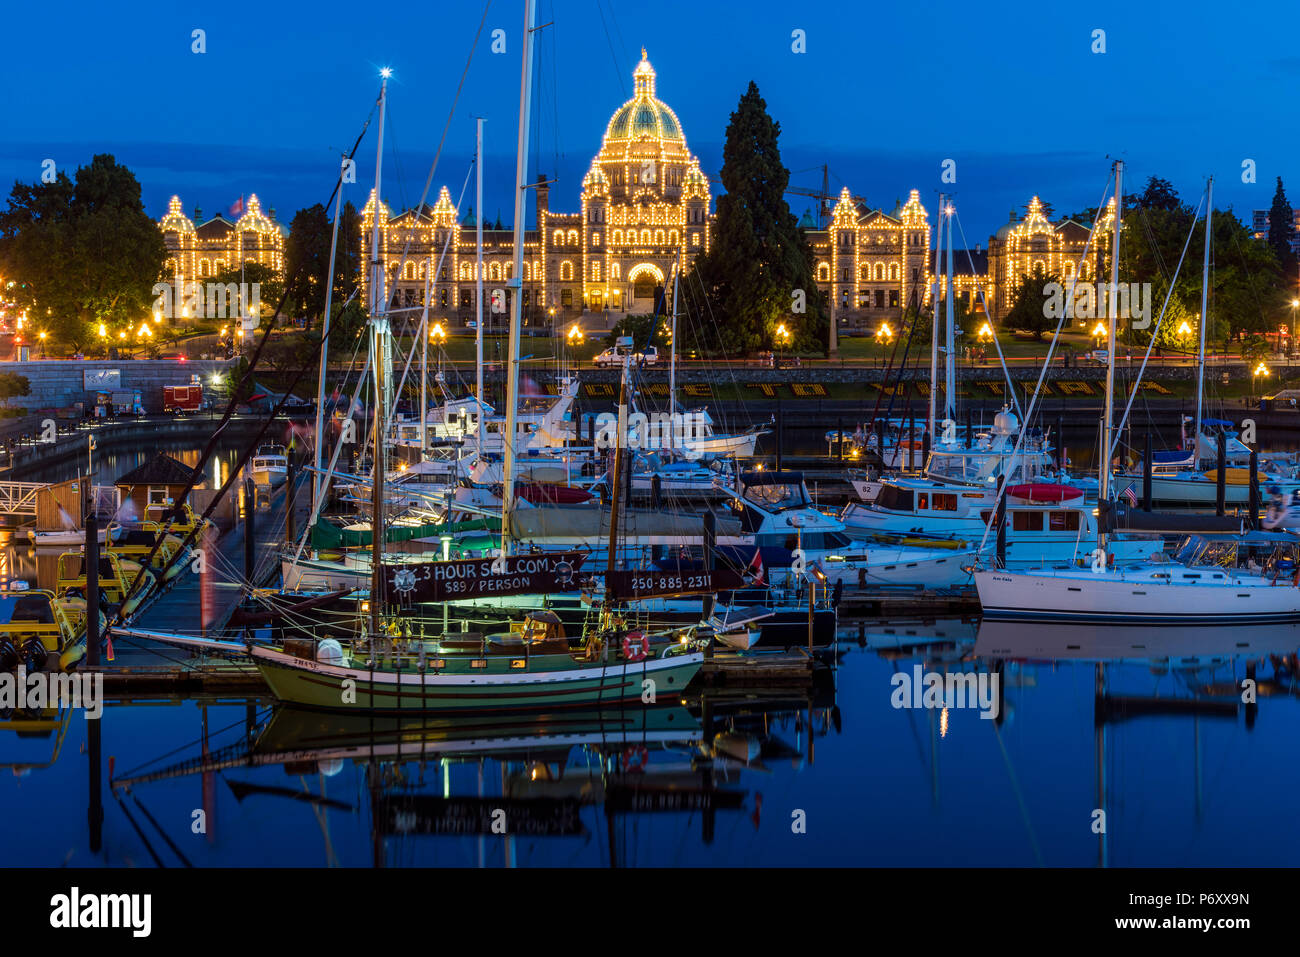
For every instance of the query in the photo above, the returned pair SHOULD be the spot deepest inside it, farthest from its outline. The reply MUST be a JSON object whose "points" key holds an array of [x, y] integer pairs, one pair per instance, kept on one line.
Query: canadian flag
{"points": [[755, 569]]}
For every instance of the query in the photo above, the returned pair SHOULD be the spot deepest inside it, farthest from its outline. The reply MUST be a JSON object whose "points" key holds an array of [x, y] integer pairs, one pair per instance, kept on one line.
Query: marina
{"points": [[483, 443]]}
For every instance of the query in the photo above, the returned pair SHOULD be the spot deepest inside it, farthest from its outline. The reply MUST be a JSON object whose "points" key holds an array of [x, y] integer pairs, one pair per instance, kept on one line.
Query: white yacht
{"points": [[1246, 578]]}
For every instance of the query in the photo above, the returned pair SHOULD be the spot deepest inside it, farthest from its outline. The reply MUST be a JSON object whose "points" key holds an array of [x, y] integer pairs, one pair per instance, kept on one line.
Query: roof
{"points": [[162, 469]]}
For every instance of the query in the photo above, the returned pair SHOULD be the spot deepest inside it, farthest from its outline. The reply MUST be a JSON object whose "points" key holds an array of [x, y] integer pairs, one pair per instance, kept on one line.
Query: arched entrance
{"points": [[643, 278]]}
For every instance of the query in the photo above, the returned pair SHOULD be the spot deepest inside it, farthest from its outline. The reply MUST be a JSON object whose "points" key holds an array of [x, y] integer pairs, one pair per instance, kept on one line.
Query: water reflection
{"points": [[1180, 737]]}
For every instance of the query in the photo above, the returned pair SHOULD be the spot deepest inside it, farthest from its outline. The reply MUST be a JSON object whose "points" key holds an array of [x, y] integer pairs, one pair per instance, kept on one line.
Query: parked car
{"points": [[1099, 356]]}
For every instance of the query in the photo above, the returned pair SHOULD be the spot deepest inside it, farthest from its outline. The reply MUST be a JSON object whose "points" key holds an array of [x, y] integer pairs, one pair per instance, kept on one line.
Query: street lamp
{"points": [[1100, 332], [884, 334], [42, 337], [437, 334], [782, 335], [985, 333]]}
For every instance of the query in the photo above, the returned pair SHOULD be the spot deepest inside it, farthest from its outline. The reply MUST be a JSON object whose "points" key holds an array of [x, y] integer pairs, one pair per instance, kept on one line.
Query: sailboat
{"points": [[1209, 579], [532, 666]]}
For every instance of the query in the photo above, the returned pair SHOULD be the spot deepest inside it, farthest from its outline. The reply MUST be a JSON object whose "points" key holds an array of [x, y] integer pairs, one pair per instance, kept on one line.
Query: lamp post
{"points": [[1260, 370], [42, 336], [574, 338], [782, 335]]}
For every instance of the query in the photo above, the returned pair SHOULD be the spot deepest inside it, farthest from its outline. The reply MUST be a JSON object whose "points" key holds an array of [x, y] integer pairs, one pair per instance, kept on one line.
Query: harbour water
{"points": [[1186, 773]]}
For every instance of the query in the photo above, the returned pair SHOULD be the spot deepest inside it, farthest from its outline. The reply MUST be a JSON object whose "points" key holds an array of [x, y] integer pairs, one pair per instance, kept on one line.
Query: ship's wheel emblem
{"points": [[563, 573], [404, 580]]}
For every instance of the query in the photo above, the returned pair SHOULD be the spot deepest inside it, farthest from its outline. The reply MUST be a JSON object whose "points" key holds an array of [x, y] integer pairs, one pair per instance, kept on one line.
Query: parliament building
{"points": [[644, 212]]}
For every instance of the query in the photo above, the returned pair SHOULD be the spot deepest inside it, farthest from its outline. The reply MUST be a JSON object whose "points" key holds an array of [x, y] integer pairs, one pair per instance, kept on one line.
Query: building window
{"points": [[659, 237], [673, 238], [573, 237], [823, 272], [566, 298], [618, 237], [614, 273], [880, 299], [595, 239], [595, 272], [893, 299], [695, 239], [847, 275], [558, 238], [566, 271], [645, 237], [466, 299]]}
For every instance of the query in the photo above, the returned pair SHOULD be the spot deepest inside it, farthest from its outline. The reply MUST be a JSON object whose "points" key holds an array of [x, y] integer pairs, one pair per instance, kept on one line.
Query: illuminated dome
{"points": [[645, 116], [176, 220]]}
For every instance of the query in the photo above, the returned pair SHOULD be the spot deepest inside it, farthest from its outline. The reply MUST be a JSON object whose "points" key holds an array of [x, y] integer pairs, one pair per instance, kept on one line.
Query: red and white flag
{"points": [[755, 569], [237, 207]]}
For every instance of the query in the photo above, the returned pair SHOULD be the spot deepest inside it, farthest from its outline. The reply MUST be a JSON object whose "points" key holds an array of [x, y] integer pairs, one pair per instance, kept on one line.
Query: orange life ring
{"points": [[637, 640], [634, 759]]}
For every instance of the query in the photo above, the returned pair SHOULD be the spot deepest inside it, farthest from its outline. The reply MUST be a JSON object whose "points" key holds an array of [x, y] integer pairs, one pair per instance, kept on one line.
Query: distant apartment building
{"points": [[1259, 226]]}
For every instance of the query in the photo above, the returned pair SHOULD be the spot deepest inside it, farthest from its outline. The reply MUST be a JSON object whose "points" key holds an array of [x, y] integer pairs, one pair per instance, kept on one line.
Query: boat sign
{"points": [[634, 586], [477, 578]]}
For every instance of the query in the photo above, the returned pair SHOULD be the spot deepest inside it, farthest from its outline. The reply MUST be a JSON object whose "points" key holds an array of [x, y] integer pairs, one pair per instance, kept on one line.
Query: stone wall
{"points": [[57, 383]]}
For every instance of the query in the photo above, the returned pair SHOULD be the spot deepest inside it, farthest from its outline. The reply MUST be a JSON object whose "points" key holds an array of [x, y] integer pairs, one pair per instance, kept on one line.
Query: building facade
{"points": [[219, 244], [1034, 243], [644, 212]]}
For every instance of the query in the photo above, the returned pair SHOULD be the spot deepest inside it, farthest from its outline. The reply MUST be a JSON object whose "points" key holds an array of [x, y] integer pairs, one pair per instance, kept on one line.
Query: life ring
{"points": [[634, 759], [636, 646]]}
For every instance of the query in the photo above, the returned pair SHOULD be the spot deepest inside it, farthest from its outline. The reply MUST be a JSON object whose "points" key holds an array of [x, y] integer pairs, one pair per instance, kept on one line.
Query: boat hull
{"points": [[313, 684], [1111, 597]]}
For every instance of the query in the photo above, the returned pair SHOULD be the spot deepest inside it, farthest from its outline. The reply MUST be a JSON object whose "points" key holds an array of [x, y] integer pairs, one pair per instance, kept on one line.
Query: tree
{"points": [[83, 251], [759, 269], [13, 385], [1281, 232], [306, 259], [1028, 311], [269, 289], [307, 256]]}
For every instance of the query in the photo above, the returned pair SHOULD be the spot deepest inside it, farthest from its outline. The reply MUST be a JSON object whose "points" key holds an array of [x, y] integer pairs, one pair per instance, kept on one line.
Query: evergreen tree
{"points": [[1281, 233], [759, 270], [1029, 298], [82, 250]]}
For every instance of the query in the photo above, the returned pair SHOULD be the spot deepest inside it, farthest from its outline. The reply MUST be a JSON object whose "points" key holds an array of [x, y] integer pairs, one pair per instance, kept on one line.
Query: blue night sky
{"points": [[884, 93]]}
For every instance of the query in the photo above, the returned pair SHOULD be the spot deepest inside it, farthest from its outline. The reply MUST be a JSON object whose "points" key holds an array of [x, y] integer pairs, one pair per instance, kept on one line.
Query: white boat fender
{"points": [[329, 652]]}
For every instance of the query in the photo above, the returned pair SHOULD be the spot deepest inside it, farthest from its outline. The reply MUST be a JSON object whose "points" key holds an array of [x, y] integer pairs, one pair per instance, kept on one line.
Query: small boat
{"points": [[38, 631], [270, 466], [70, 536]]}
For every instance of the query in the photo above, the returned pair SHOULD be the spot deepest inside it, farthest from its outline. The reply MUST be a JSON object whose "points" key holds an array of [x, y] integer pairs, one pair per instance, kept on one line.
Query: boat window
{"points": [[1063, 521], [835, 540], [944, 501], [1022, 521], [895, 499], [778, 496], [922, 500]]}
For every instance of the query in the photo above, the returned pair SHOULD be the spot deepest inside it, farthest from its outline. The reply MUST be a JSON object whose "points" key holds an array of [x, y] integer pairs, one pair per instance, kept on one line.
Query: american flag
{"points": [[1131, 495]]}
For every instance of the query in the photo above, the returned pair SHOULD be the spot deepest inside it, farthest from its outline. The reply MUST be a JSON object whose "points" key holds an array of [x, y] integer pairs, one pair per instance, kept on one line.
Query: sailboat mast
{"points": [[478, 271], [424, 360], [378, 324], [934, 320], [616, 484], [516, 283], [325, 344], [672, 346], [950, 357], [1103, 497], [1205, 315]]}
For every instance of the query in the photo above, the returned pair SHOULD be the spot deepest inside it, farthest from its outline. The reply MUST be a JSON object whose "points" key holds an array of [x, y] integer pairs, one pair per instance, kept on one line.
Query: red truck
{"points": [[182, 398]]}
